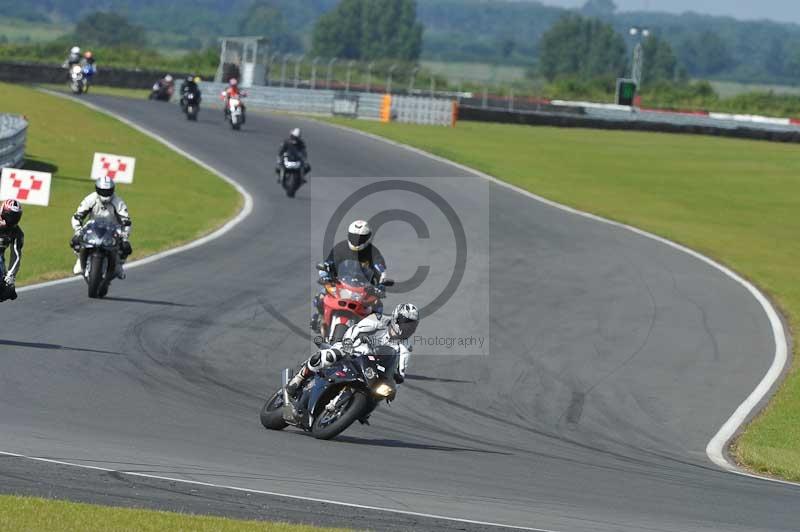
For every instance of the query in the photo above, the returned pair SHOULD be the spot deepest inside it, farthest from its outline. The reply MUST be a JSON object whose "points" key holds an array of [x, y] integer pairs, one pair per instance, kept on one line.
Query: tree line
{"points": [[500, 31]]}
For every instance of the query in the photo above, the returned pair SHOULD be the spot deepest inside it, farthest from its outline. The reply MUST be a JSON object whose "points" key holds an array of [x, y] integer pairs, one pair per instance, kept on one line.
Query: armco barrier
{"points": [[13, 133], [641, 121], [319, 101], [429, 111], [113, 77]]}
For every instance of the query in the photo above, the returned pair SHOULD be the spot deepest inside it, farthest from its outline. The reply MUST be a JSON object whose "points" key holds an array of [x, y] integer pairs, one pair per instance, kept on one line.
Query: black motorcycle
{"points": [[98, 246], [291, 170], [190, 103], [337, 396]]}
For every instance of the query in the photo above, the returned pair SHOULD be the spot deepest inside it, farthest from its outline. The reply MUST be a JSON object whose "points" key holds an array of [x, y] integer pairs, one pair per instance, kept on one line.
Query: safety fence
{"points": [[370, 106], [13, 134]]}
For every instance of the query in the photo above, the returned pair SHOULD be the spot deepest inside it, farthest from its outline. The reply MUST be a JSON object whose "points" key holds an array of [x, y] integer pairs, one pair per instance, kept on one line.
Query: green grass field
{"points": [[737, 201], [44, 515], [63, 137]]}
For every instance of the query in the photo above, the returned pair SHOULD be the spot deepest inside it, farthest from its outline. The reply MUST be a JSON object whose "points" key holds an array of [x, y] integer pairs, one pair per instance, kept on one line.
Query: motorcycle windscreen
{"points": [[351, 272]]}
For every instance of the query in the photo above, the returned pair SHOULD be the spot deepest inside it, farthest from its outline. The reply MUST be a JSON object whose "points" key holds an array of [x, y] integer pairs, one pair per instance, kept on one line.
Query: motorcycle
{"points": [[348, 299], [292, 171], [235, 112], [337, 396], [161, 92], [78, 83], [191, 105], [98, 248]]}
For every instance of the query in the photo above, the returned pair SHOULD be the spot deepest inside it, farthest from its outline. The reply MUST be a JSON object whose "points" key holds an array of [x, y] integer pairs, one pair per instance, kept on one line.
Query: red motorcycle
{"points": [[348, 299]]}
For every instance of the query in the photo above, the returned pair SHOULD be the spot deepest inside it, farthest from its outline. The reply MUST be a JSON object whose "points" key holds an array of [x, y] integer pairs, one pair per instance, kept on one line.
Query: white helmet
{"points": [[104, 188], [295, 133], [168, 77], [74, 50], [405, 319], [359, 235]]}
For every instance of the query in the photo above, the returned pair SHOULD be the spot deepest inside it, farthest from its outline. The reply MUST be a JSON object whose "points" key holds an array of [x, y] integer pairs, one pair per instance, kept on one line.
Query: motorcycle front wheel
{"points": [[272, 412], [330, 423], [96, 271]]}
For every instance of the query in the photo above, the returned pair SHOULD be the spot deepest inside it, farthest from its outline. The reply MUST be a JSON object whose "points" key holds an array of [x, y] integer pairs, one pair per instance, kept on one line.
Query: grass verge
{"points": [[30, 513], [734, 200], [101, 89], [172, 200]]}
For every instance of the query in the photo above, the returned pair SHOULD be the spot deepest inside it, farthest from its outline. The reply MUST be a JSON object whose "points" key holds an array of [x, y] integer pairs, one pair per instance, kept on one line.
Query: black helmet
{"points": [[11, 212]]}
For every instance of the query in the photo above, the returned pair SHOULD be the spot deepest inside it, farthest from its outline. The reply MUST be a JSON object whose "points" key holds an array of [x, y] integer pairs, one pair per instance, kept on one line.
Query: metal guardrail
{"points": [[316, 101], [13, 134], [678, 119]]}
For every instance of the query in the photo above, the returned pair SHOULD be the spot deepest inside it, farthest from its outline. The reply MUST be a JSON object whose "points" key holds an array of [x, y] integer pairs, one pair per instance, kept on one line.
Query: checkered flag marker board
{"points": [[25, 186], [117, 167]]}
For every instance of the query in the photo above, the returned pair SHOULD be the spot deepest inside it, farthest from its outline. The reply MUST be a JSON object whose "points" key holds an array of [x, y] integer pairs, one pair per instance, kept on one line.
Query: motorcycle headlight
{"points": [[384, 390], [344, 293]]}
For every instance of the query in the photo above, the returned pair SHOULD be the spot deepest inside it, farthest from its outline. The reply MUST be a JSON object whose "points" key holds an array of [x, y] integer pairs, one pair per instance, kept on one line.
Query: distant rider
{"points": [[74, 57], [295, 141], [233, 91], [103, 203], [163, 88], [358, 247], [89, 67], [189, 86], [369, 333], [11, 237]]}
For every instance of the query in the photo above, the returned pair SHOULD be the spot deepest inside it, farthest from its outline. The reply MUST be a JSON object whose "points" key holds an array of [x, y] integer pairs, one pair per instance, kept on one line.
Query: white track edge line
{"points": [[272, 493], [715, 450], [243, 213], [246, 210]]}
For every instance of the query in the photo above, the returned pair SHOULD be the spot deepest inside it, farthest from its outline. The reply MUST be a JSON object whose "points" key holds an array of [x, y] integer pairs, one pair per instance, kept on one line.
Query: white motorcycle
{"points": [[236, 112], [77, 82]]}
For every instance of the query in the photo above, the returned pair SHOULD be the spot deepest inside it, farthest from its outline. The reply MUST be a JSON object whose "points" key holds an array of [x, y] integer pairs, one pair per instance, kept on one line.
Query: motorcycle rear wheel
{"points": [[272, 412], [329, 425]]}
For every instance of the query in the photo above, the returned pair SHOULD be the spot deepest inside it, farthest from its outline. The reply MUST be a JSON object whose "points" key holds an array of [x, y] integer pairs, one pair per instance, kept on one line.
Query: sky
{"points": [[778, 10]]}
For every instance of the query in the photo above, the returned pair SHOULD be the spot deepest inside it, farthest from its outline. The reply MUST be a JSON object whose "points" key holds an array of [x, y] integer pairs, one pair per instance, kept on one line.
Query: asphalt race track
{"points": [[614, 360]]}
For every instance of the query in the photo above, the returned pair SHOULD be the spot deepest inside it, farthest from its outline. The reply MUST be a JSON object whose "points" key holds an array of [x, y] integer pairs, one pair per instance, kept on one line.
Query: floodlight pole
{"points": [[389, 78], [330, 71]]}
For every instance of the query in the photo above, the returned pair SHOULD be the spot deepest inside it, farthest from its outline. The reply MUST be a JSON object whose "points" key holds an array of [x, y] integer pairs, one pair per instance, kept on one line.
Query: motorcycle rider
{"points": [[369, 333], [233, 91], [295, 141], [12, 237], [164, 87], [74, 57], [88, 62], [103, 203], [358, 247], [189, 86]]}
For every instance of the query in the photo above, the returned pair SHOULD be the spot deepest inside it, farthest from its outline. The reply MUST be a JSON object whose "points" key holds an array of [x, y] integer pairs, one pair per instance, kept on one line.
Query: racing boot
{"points": [[296, 383], [315, 323], [77, 270]]}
